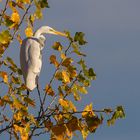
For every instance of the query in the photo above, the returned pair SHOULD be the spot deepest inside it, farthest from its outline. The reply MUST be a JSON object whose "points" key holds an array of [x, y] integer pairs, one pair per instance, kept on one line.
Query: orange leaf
{"points": [[15, 17], [53, 60], [28, 32], [4, 75]]}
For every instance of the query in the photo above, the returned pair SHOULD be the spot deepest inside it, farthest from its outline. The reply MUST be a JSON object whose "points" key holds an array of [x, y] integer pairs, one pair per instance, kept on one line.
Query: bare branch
{"points": [[3, 12]]}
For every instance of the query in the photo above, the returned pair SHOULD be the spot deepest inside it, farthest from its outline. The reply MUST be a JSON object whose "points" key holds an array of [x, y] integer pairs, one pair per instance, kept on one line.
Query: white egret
{"points": [[31, 57]]}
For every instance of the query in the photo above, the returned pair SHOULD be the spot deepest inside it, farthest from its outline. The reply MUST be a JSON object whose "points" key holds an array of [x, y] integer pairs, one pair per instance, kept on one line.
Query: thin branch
{"points": [[22, 19], [5, 8], [79, 112], [55, 74], [38, 134], [6, 128]]}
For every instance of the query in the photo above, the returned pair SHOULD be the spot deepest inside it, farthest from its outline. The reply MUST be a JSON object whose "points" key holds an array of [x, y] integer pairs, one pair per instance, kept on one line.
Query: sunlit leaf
{"points": [[119, 113], [53, 60], [64, 103], [65, 76], [67, 62], [19, 39], [49, 90], [4, 75], [88, 111], [15, 17], [28, 32], [57, 46], [5, 37]]}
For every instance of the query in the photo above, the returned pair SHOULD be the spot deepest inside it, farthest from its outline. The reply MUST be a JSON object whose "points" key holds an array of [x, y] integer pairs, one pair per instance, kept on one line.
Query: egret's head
{"points": [[48, 30], [54, 32]]}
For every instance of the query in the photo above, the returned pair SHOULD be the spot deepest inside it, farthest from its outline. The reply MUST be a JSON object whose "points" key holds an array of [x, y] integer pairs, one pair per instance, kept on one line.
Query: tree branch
{"points": [[5, 8]]}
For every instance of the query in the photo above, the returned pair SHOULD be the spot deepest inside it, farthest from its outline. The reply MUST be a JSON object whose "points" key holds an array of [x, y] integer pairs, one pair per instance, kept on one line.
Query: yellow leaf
{"points": [[63, 56], [67, 62], [15, 17], [4, 75], [64, 103], [28, 32], [19, 39], [49, 90], [5, 37], [88, 111], [66, 77], [26, 1]]}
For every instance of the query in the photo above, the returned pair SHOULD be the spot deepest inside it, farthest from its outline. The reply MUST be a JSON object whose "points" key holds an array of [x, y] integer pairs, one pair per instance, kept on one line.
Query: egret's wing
{"points": [[34, 56]]}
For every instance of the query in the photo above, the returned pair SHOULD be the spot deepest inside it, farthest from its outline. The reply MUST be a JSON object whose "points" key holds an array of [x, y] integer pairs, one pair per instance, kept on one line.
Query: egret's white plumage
{"points": [[31, 57]]}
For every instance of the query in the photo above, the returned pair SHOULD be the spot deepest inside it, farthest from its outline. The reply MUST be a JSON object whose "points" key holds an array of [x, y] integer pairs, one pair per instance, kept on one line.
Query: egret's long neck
{"points": [[42, 30]]}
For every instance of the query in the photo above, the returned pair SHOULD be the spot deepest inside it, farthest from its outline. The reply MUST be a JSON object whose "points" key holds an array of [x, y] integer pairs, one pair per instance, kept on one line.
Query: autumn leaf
{"points": [[73, 125], [49, 90], [65, 76], [29, 101], [64, 103], [67, 62], [59, 131], [93, 123], [5, 37], [28, 32], [63, 56], [88, 111], [15, 17], [26, 1], [4, 75], [57, 46], [53, 60]]}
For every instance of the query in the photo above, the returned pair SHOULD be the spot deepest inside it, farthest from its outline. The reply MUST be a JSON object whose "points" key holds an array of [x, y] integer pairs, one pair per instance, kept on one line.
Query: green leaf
{"points": [[5, 37], [16, 80], [43, 3], [79, 37], [11, 62], [119, 113], [29, 101], [8, 22], [91, 74]]}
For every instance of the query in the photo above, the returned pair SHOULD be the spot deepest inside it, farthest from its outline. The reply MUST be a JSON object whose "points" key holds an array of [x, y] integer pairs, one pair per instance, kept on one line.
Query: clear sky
{"points": [[112, 29]]}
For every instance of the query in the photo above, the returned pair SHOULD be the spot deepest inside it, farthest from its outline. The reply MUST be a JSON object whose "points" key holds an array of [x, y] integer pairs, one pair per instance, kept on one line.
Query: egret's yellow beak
{"points": [[59, 33]]}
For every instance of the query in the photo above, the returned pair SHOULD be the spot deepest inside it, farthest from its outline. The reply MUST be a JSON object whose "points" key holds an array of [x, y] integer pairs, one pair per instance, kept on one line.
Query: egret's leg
{"points": [[28, 93], [39, 94]]}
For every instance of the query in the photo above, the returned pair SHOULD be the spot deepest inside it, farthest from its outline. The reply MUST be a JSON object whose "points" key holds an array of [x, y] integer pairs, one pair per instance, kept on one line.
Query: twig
{"points": [[38, 134], [5, 8], [6, 128], [55, 74], [22, 19]]}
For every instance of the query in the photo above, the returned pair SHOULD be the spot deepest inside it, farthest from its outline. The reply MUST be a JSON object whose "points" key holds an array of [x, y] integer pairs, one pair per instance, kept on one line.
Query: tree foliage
{"points": [[69, 82]]}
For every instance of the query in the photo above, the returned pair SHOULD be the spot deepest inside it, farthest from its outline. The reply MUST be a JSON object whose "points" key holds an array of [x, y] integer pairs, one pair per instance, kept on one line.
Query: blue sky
{"points": [[112, 29]]}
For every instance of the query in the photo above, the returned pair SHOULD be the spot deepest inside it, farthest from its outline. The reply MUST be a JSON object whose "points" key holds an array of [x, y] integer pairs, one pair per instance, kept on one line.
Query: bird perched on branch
{"points": [[31, 57]]}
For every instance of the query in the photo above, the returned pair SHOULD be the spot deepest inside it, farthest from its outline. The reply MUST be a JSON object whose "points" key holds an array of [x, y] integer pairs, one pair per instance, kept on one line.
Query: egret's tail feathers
{"points": [[31, 81]]}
